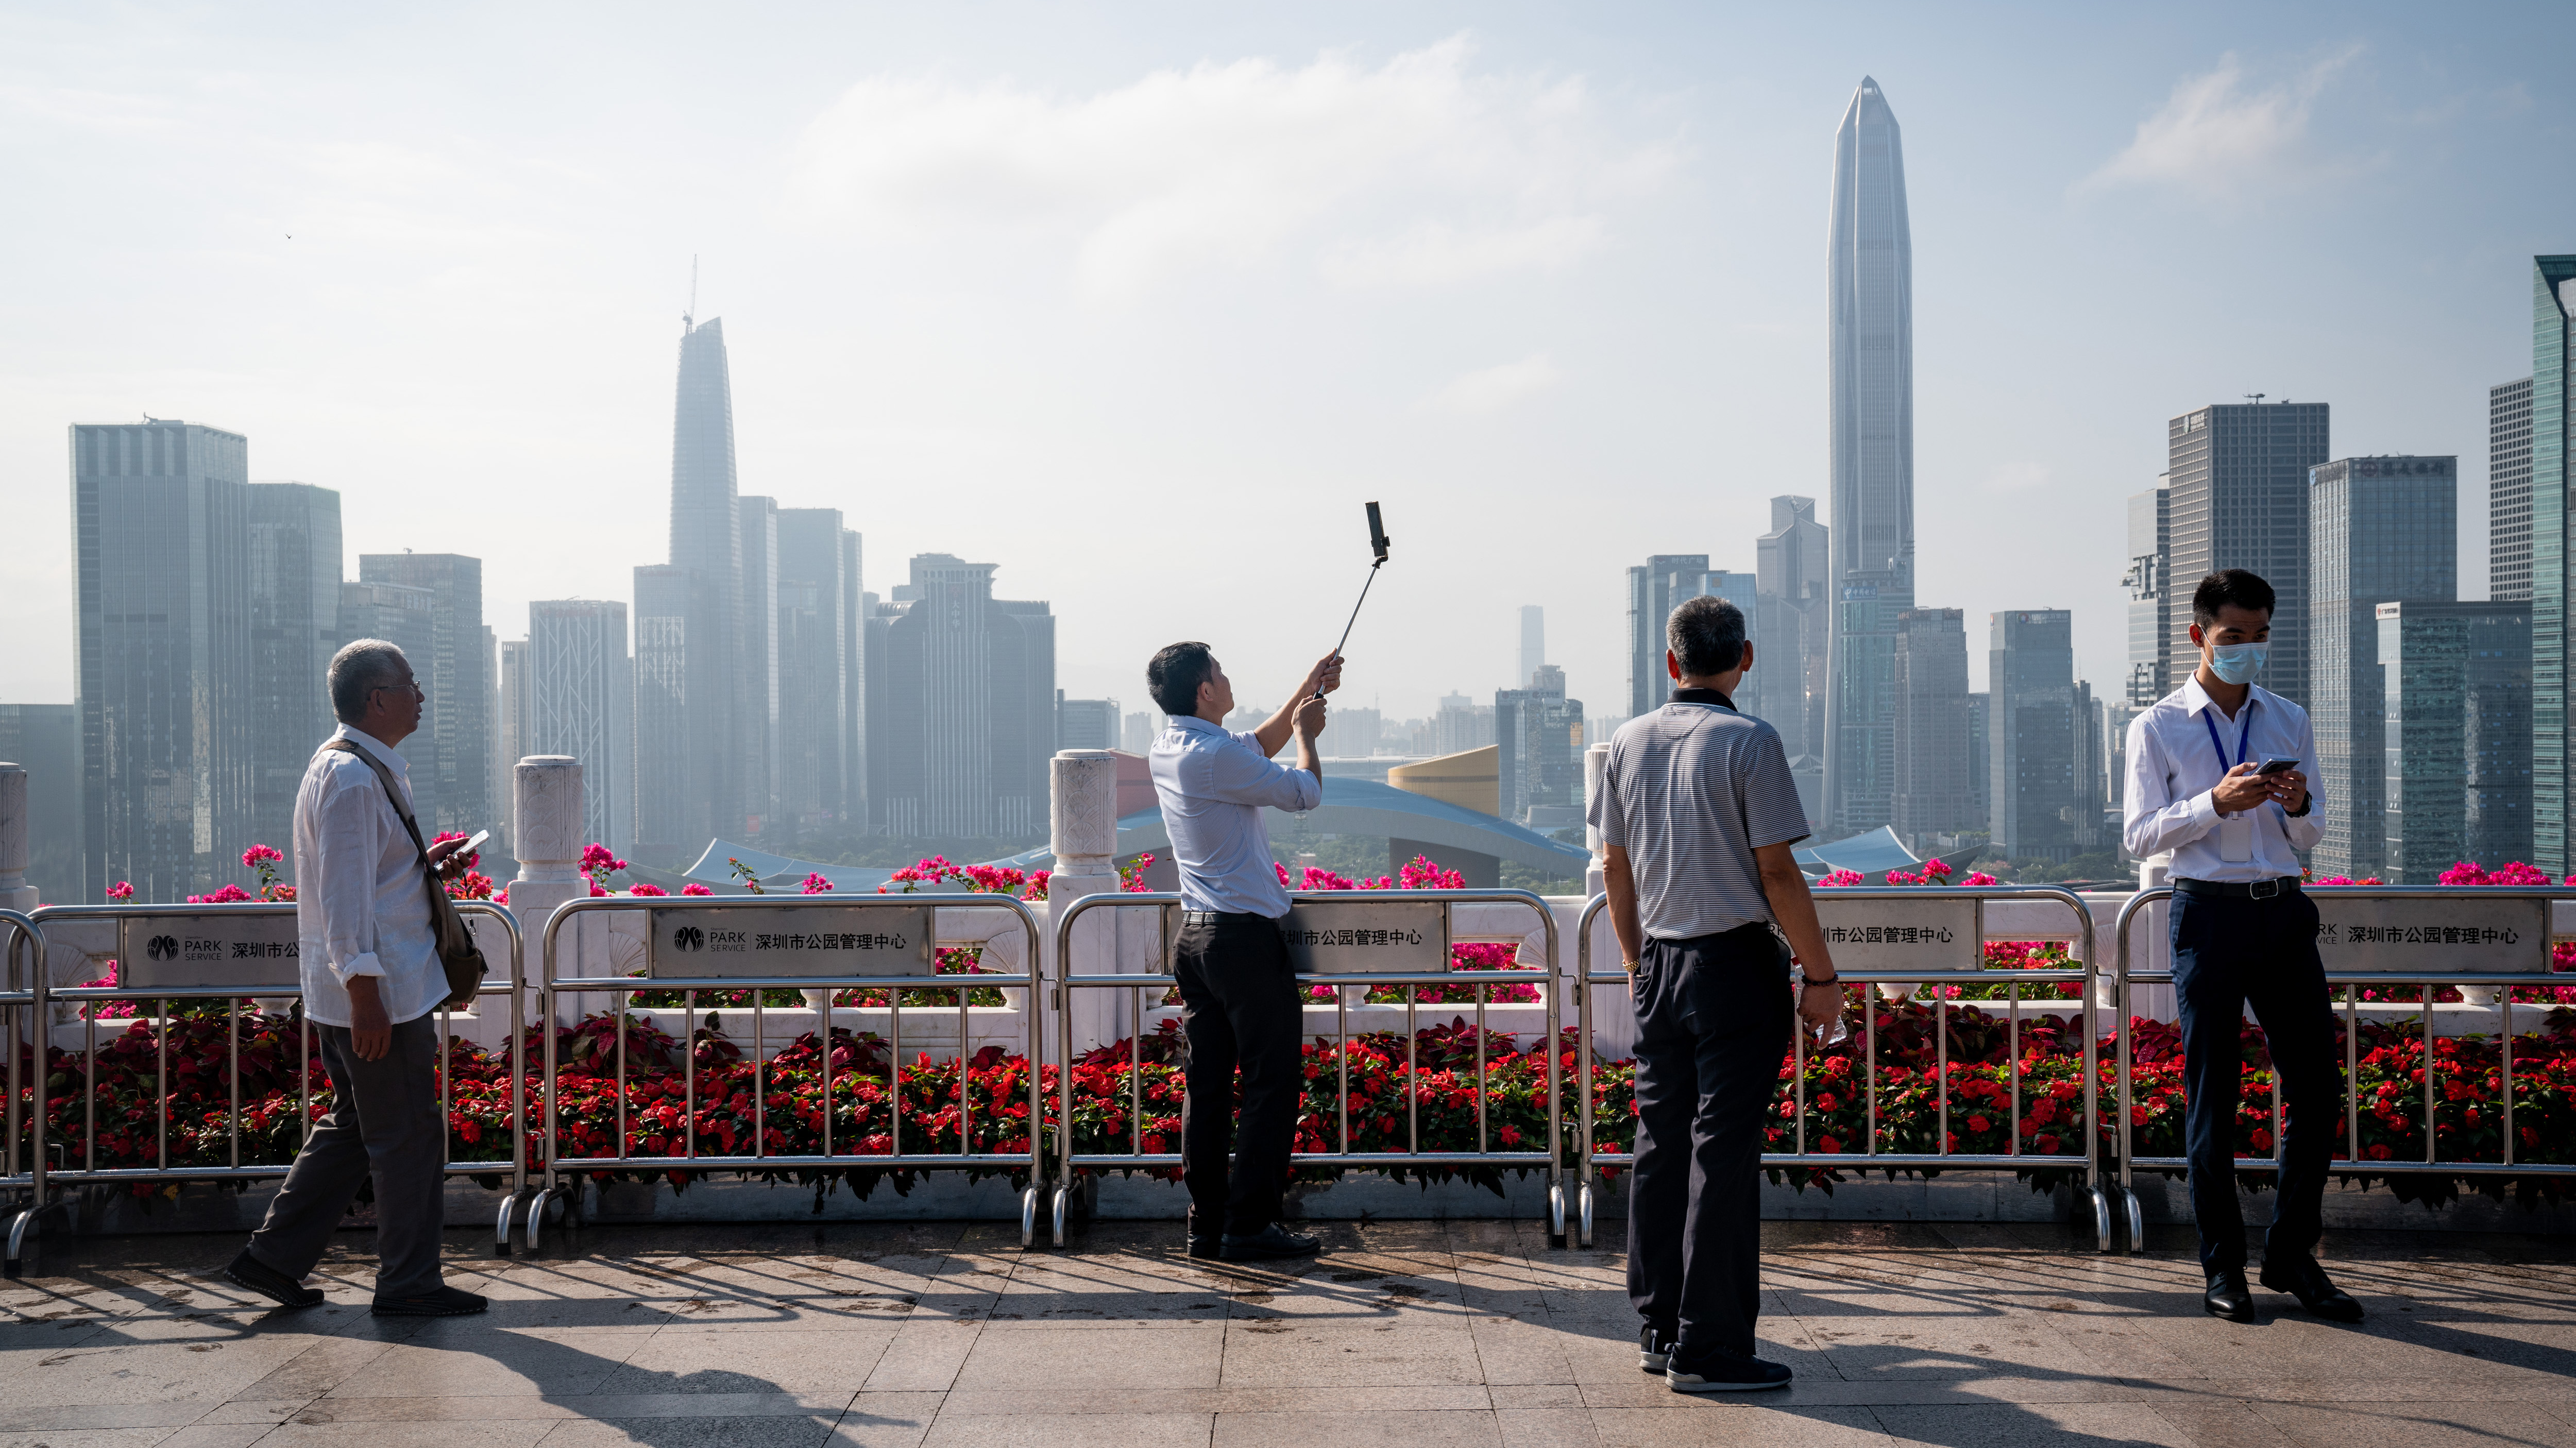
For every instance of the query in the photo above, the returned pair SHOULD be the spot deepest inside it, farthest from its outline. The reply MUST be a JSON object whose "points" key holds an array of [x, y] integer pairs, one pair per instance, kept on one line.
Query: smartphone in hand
{"points": [[2277, 766]]}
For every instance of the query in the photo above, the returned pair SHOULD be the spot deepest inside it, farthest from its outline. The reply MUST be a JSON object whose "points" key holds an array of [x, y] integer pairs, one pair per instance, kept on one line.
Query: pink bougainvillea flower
{"points": [[120, 891], [815, 884]]}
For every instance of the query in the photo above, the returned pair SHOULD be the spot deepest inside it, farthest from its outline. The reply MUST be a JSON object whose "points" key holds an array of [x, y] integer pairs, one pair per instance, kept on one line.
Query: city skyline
{"points": [[1675, 202]]}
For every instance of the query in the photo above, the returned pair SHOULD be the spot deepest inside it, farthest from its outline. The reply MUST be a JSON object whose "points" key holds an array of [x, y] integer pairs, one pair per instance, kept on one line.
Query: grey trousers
{"points": [[384, 1119]]}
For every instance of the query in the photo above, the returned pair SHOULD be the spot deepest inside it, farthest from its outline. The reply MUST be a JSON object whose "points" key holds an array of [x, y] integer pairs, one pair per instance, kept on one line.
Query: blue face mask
{"points": [[2237, 663]]}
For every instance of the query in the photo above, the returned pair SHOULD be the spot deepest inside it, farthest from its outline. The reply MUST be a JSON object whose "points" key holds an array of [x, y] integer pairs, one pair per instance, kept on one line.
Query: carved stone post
{"points": [[1082, 819], [546, 827], [15, 892], [1596, 768]]}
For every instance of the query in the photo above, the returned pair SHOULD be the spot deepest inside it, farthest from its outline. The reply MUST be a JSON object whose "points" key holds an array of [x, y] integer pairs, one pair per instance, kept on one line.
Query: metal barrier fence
{"points": [[2380, 936], [1337, 938], [823, 943], [187, 953], [1926, 937], [25, 954]]}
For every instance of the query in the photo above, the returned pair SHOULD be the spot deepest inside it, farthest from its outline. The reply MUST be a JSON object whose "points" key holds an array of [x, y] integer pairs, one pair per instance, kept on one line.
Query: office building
{"points": [[2033, 735], [1354, 733], [1461, 724], [1932, 775], [756, 667], [2553, 336], [294, 556], [581, 689], [160, 534], [1980, 757], [2090, 784], [452, 746], [1136, 733], [511, 733], [962, 706], [44, 740], [2151, 626], [1793, 571], [856, 604], [2238, 485], [2509, 490], [1654, 590], [1533, 644], [407, 618], [1538, 734], [2380, 530], [1086, 723], [1870, 458], [2457, 736], [813, 650]]}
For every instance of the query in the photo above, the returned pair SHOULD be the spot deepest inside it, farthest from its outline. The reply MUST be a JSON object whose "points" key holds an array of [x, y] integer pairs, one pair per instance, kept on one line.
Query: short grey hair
{"points": [[360, 668], [1707, 634]]}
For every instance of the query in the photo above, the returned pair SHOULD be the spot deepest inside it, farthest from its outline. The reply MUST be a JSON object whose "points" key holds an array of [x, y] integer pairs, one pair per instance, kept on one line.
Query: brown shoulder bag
{"points": [[457, 951]]}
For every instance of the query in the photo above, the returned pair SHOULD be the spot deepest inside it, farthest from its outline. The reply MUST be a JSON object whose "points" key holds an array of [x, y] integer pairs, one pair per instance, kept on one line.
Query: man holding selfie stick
{"points": [[372, 986], [2217, 778], [1698, 814]]}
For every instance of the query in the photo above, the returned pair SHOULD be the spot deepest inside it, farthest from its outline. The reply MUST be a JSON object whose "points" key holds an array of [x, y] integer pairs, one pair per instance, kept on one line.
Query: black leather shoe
{"points": [[2228, 1296], [1719, 1372], [2307, 1281], [1207, 1246], [442, 1302], [1271, 1241], [248, 1271]]}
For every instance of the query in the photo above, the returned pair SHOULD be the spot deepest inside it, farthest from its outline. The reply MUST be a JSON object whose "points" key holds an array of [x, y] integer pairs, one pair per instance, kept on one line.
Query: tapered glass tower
{"points": [[1871, 459]]}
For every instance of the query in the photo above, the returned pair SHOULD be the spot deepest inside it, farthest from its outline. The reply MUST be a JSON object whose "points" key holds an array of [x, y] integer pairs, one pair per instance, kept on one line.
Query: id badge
{"points": [[2236, 838]]}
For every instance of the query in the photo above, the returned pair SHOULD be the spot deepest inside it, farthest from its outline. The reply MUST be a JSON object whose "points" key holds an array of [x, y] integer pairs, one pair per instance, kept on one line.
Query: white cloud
{"points": [[2217, 134], [1491, 389], [1415, 172]]}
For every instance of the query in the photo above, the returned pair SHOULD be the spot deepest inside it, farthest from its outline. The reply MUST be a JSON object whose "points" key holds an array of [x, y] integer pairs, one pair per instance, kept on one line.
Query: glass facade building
{"points": [[1792, 571], [2380, 530], [2151, 629], [2456, 757], [2238, 483], [294, 629], [581, 687], [2553, 334], [2033, 735], [2509, 490], [1934, 782], [452, 751], [1870, 457]]}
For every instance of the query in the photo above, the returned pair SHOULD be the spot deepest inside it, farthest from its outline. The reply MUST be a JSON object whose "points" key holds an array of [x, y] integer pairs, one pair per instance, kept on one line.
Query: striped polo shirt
{"points": [[1692, 790]]}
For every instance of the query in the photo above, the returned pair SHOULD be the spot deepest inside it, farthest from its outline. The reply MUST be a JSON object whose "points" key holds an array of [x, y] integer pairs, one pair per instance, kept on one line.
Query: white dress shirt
{"points": [[2173, 766], [360, 906], [1213, 785]]}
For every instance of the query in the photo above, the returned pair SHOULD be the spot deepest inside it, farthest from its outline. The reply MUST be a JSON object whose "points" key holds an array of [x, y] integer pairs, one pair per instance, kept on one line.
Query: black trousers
{"points": [[384, 1122], [1713, 1015], [1239, 1008], [2229, 952]]}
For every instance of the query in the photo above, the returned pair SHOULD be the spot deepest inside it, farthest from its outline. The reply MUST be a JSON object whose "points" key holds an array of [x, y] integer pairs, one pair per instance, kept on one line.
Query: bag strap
{"points": [[393, 796]]}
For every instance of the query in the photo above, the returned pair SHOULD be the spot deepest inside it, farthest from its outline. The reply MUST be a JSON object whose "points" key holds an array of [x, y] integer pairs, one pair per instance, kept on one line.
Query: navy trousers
{"points": [[2228, 953], [1239, 1008], [1713, 1016]]}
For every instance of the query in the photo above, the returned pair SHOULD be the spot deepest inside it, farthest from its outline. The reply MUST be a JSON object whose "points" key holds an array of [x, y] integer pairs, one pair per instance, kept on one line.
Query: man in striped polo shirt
{"points": [[1697, 816]]}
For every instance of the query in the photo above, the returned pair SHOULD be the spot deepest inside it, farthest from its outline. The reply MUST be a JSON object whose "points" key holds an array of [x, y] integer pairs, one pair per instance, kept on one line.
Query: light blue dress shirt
{"points": [[1213, 785], [2173, 765]]}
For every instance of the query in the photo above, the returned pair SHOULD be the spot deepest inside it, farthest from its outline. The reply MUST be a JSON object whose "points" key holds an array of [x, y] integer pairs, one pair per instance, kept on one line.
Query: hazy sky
{"points": [[1141, 302]]}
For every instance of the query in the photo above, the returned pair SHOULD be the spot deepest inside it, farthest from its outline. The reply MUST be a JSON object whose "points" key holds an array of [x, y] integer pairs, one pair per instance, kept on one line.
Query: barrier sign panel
{"points": [[1365, 937], [2434, 935], [223, 948], [757, 940], [1926, 933]]}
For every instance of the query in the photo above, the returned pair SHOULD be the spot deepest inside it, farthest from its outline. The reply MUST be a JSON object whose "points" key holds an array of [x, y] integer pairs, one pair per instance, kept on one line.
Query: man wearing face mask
{"points": [[2242, 933]]}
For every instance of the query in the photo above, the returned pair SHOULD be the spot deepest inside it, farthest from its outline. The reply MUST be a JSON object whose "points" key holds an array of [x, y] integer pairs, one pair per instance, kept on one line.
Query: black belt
{"points": [[2239, 889], [1224, 917]]}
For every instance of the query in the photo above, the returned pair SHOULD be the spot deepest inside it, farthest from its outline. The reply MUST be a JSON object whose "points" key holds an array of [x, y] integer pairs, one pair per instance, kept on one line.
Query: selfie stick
{"points": [[1377, 542]]}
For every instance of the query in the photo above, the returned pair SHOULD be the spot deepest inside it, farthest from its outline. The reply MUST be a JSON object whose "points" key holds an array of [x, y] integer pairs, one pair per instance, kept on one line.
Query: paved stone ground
{"points": [[1410, 1333]]}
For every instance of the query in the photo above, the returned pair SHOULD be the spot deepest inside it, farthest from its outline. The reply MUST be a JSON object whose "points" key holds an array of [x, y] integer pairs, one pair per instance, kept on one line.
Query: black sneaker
{"points": [[1654, 1349], [248, 1271], [1271, 1241], [1722, 1372], [1207, 1246], [444, 1302]]}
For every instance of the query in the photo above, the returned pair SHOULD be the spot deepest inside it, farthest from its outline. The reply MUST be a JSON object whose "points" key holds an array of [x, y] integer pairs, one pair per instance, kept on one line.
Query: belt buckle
{"points": [[2263, 889]]}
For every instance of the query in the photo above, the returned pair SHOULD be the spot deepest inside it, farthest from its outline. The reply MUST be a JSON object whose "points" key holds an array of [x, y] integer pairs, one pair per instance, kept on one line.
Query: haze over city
{"points": [[1088, 293]]}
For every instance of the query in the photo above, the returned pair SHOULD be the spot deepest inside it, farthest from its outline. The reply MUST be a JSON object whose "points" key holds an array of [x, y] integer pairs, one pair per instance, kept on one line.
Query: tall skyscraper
{"points": [[2033, 735], [581, 688], [452, 745], [2509, 490], [1793, 570], [813, 689], [691, 650], [1932, 759], [1539, 763], [1871, 458], [676, 745], [856, 604], [2457, 737], [2090, 781], [510, 730], [294, 629], [2238, 481], [407, 618], [2553, 336], [1533, 646], [44, 740], [160, 541], [2151, 626], [1981, 756], [1654, 590], [2380, 530], [963, 699], [756, 717]]}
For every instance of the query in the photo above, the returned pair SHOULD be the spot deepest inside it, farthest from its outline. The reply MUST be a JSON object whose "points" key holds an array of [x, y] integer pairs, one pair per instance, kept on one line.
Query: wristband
{"points": [[1828, 980]]}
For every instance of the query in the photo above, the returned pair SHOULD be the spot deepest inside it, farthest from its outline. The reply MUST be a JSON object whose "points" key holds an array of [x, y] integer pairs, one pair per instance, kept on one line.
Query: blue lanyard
{"points": [[2242, 734]]}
